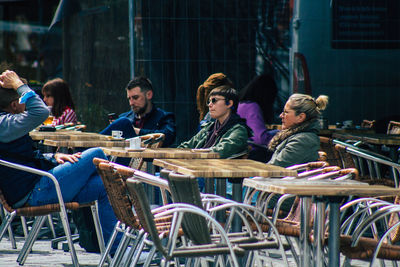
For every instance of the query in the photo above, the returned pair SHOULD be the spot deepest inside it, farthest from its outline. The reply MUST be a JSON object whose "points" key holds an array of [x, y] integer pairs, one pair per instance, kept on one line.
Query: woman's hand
{"points": [[62, 158]]}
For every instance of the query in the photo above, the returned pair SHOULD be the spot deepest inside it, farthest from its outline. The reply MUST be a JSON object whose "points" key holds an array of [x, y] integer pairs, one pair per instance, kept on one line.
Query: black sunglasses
{"points": [[214, 100]]}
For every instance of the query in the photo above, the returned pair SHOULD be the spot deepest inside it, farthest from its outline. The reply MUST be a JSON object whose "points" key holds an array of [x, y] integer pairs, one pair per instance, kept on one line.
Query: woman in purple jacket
{"points": [[256, 106]]}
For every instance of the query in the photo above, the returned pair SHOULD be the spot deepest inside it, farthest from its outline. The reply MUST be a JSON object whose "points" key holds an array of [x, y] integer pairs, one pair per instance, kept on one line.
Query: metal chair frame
{"points": [[59, 207]]}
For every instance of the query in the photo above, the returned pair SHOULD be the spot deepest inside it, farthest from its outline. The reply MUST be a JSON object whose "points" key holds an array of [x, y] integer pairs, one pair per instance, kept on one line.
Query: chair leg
{"points": [[67, 231], [109, 245], [138, 246], [5, 225], [3, 216], [123, 244], [24, 226], [26, 249], [51, 225], [150, 257], [97, 226], [12, 238]]}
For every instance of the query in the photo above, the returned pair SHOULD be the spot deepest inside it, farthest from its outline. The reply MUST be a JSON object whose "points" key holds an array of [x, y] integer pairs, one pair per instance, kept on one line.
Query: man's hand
{"points": [[62, 158], [9, 79]]}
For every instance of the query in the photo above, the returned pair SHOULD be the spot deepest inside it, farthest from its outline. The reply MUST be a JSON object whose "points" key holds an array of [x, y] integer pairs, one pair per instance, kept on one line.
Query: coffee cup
{"points": [[116, 134], [135, 143]]}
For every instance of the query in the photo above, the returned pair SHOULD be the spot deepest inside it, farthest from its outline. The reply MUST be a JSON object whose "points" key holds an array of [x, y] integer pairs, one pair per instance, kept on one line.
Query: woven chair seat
{"points": [[31, 211], [366, 247], [206, 250]]}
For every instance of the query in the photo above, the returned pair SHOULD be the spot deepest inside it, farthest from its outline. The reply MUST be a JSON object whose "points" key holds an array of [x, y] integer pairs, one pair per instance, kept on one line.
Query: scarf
{"points": [[284, 134], [220, 129]]}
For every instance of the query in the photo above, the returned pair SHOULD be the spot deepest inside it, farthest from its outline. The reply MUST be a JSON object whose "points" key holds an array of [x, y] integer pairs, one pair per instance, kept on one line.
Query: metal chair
{"points": [[184, 189], [382, 245], [393, 127], [41, 213], [203, 246], [114, 179], [370, 124], [371, 165], [290, 225], [327, 146]]}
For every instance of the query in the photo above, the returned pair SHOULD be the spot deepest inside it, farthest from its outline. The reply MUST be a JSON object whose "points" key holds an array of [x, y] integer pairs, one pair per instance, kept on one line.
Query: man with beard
{"points": [[144, 117]]}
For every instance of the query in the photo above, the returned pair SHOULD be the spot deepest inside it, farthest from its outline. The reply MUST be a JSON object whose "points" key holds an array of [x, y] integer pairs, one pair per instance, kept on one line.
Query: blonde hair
{"points": [[215, 80], [306, 104]]}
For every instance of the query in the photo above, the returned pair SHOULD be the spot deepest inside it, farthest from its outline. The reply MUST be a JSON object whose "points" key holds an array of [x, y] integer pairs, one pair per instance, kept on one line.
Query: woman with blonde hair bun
{"points": [[298, 142]]}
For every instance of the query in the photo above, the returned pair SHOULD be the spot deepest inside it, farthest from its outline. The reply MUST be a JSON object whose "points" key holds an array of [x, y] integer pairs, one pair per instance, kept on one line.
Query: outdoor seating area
{"points": [[322, 214], [188, 133]]}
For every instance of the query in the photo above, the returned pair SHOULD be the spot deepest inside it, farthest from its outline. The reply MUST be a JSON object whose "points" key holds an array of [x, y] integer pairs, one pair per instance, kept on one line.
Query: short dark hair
{"points": [[7, 96], [142, 82], [228, 93], [59, 90]]}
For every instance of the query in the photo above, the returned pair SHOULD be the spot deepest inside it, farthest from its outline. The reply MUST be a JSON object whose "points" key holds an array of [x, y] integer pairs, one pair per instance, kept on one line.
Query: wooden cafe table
{"points": [[68, 135], [235, 169], [392, 141], [163, 153], [160, 153], [332, 192], [85, 143]]}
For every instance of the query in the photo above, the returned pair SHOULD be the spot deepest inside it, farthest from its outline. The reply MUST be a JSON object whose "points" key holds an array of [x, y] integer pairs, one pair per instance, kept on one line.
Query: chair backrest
{"points": [[341, 174], [368, 124], [185, 189], [393, 127], [308, 166], [327, 146], [313, 172], [376, 164], [157, 139], [116, 190], [395, 218], [322, 156], [143, 211], [345, 158], [156, 182]]}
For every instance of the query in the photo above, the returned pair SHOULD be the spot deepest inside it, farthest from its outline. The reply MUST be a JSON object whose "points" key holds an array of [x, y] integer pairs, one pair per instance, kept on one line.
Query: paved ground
{"points": [[44, 255]]}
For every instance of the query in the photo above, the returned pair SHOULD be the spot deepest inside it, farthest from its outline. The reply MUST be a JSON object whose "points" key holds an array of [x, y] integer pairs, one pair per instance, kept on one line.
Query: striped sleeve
{"points": [[67, 116]]}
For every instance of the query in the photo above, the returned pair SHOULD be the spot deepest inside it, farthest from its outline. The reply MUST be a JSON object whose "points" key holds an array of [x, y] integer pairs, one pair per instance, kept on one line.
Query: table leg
{"points": [[305, 259], [319, 223], [150, 189], [237, 196], [220, 191], [334, 253], [209, 186]]}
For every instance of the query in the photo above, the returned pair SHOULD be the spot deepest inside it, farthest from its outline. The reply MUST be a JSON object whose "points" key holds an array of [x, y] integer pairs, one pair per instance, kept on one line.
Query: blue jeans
{"points": [[122, 124], [81, 183]]}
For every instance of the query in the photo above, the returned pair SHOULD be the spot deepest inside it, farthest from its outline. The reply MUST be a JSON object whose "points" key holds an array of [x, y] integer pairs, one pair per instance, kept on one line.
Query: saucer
{"points": [[135, 149], [115, 138]]}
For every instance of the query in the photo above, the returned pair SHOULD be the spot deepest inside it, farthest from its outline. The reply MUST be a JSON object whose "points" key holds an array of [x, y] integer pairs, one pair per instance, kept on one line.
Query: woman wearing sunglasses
{"points": [[227, 134]]}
